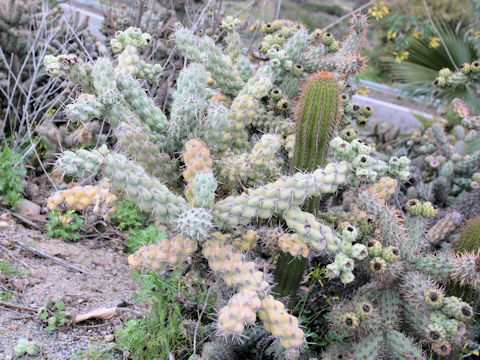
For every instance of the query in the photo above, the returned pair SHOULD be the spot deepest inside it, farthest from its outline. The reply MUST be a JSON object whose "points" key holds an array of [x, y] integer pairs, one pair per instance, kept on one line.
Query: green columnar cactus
{"points": [[316, 118], [469, 239]]}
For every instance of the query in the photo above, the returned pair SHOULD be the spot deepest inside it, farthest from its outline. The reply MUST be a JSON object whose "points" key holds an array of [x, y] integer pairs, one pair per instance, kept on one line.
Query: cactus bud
{"points": [[433, 299], [350, 321], [374, 248], [413, 207], [349, 233], [466, 68], [349, 134], [391, 254], [297, 69], [476, 66], [367, 227], [445, 72], [442, 348], [364, 309], [378, 265], [435, 332], [429, 210], [335, 46], [328, 39], [276, 94], [362, 121], [366, 111], [282, 105], [440, 82]]}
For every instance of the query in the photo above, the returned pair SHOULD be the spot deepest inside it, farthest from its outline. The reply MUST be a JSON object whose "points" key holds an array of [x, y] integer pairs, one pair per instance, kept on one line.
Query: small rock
{"points": [[32, 190], [4, 224], [109, 337], [6, 217], [28, 208]]}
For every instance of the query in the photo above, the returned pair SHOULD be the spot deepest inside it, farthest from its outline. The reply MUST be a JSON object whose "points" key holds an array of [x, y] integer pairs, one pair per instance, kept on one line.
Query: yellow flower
{"points": [[416, 34], [391, 35], [401, 55], [434, 42], [379, 10]]}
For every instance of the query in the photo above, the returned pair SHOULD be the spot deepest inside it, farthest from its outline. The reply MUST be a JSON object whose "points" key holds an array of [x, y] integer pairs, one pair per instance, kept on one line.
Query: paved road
{"points": [[95, 18], [391, 113]]}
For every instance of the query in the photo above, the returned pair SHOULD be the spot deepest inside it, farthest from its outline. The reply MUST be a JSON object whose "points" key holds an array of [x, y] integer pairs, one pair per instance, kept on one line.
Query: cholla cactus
{"points": [[408, 273], [467, 73], [224, 224], [81, 197], [197, 159], [448, 162], [262, 163], [159, 256]]}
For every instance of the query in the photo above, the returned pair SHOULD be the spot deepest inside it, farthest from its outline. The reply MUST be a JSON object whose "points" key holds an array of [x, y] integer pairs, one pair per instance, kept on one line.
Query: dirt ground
{"points": [[107, 284]]}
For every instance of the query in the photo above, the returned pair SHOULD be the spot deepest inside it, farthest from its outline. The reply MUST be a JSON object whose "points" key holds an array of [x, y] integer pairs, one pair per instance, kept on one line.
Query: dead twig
{"points": [[52, 258], [241, 184], [26, 220], [198, 324], [124, 309], [9, 254], [19, 307], [347, 15]]}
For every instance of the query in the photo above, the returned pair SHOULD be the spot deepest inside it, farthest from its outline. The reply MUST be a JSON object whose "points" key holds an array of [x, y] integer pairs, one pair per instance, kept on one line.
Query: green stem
{"points": [[288, 274]]}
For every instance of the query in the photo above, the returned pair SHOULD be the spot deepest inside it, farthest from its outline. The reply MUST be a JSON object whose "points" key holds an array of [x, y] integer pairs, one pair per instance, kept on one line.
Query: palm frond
{"points": [[417, 73]]}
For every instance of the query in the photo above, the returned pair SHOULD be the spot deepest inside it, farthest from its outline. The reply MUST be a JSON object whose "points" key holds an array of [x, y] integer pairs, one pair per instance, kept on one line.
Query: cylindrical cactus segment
{"points": [[280, 323], [241, 310], [316, 118], [469, 239]]}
